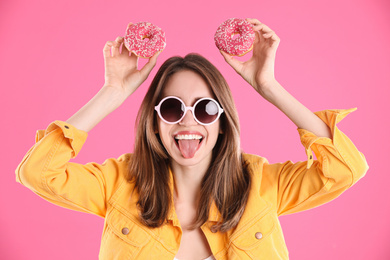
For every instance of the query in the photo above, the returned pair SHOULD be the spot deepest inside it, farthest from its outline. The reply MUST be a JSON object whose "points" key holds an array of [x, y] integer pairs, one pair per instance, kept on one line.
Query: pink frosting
{"points": [[235, 46], [144, 39]]}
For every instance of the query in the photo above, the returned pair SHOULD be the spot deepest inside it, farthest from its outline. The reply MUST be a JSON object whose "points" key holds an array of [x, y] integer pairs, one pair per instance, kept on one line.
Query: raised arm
{"points": [[293, 187], [258, 71], [122, 78], [46, 168]]}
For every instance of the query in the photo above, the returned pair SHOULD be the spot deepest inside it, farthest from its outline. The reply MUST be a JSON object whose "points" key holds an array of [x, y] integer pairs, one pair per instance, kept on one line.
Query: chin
{"points": [[189, 162]]}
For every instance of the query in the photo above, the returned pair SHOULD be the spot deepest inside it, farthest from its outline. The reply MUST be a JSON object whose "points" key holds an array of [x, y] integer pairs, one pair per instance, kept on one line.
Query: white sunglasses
{"points": [[172, 110]]}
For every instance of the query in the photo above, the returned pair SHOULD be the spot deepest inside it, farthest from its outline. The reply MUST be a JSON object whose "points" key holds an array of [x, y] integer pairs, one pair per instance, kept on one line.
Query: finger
{"points": [[124, 50], [234, 63], [253, 21], [257, 41], [267, 35], [134, 59], [257, 38], [276, 39], [145, 71], [133, 56], [272, 40], [272, 36], [116, 44], [260, 42], [263, 28], [107, 49], [257, 25]]}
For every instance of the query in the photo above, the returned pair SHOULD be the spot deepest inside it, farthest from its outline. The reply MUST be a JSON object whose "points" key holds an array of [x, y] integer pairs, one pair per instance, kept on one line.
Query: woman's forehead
{"points": [[187, 85]]}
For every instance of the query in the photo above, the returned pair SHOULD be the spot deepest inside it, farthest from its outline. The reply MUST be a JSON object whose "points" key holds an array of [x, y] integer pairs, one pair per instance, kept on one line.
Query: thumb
{"points": [[234, 63]]}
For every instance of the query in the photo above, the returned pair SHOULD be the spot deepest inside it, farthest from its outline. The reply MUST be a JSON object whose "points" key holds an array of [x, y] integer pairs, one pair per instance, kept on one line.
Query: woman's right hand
{"points": [[122, 78], [121, 68]]}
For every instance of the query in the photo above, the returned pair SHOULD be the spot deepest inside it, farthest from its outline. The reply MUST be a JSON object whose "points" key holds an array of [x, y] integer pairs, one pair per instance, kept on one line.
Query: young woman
{"points": [[187, 191]]}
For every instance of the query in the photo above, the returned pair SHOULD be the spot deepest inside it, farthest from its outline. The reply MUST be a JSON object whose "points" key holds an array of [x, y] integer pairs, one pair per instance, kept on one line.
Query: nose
{"points": [[188, 119]]}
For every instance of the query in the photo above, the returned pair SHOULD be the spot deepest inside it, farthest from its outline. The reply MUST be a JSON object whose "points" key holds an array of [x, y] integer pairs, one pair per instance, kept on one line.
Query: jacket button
{"points": [[258, 235], [125, 231]]}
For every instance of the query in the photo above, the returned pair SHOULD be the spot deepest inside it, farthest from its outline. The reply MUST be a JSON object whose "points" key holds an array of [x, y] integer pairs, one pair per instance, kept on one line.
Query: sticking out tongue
{"points": [[188, 147]]}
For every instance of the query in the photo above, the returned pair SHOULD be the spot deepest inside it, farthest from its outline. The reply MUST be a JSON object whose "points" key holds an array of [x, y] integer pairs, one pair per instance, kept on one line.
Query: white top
{"points": [[208, 258]]}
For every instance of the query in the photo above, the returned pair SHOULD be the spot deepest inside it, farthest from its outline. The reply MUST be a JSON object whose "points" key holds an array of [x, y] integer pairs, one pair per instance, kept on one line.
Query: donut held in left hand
{"points": [[144, 39], [235, 46]]}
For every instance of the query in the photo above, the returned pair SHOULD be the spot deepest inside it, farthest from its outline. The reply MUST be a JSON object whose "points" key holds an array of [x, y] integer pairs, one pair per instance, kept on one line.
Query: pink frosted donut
{"points": [[144, 39], [225, 41]]}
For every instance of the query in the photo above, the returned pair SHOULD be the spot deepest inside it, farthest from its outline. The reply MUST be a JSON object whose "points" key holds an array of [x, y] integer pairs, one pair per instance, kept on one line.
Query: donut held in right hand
{"points": [[235, 46], [144, 39]]}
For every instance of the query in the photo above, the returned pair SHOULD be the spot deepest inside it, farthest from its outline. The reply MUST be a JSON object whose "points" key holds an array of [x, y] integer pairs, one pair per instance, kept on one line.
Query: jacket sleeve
{"points": [[46, 170], [339, 165]]}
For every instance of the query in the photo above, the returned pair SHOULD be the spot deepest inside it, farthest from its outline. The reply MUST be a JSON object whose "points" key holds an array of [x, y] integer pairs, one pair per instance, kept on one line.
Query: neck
{"points": [[187, 181]]}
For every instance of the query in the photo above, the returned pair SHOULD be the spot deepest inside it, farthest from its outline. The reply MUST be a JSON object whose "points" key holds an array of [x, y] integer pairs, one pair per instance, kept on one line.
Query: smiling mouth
{"points": [[188, 144]]}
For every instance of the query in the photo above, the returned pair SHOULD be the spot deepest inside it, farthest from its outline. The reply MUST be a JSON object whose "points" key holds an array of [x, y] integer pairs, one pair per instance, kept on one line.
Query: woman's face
{"points": [[181, 140]]}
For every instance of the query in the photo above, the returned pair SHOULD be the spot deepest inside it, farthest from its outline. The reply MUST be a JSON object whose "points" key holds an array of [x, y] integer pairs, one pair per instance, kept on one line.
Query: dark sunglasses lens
{"points": [[171, 110], [206, 111]]}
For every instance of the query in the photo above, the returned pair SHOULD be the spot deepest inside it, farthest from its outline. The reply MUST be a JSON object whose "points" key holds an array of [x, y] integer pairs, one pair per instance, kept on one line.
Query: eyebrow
{"points": [[196, 98]]}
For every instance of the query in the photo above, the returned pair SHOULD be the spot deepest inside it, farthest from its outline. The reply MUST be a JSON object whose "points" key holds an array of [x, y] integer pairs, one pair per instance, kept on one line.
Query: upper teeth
{"points": [[188, 137]]}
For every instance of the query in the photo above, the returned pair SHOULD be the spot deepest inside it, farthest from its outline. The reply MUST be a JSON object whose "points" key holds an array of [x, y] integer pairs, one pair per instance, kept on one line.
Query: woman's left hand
{"points": [[258, 71]]}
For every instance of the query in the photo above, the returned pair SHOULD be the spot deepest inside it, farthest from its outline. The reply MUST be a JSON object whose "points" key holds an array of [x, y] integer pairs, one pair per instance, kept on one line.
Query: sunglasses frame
{"points": [[186, 109]]}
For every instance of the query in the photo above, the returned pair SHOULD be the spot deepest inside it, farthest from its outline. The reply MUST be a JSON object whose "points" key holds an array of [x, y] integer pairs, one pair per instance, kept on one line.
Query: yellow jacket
{"points": [[276, 189]]}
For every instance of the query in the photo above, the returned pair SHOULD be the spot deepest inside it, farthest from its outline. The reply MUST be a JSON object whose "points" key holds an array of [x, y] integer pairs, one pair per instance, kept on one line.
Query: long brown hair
{"points": [[227, 180]]}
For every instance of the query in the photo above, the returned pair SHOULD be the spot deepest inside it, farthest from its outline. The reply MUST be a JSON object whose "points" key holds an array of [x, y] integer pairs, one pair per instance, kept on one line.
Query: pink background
{"points": [[333, 54]]}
